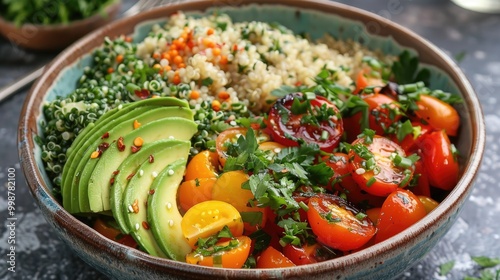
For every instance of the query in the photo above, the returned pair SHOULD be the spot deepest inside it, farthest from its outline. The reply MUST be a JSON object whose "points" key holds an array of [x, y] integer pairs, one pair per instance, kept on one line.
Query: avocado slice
{"points": [[86, 165], [129, 168], [94, 132], [136, 194], [96, 192], [163, 215]]}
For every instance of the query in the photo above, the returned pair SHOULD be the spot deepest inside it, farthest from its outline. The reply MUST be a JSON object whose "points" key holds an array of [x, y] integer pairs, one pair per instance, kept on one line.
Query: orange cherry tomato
{"points": [[429, 203], [227, 136], [400, 210], [203, 165], [346, 185], [410, 142], [338, 225], [305, 254], [195, 191], [439, 114], [381, 114], [227, 188], [272, 258], [363, 80], [439, 162], [114, 234], [234, 258], [385, 177], [209, 217]]}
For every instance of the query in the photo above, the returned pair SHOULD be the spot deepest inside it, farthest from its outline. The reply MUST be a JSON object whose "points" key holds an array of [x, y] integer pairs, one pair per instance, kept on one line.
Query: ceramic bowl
{"points": [[58, 36], [381, 261]]}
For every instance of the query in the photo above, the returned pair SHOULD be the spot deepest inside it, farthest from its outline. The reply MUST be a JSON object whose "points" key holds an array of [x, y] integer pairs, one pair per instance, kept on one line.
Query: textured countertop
{"points": [[472, 38]]}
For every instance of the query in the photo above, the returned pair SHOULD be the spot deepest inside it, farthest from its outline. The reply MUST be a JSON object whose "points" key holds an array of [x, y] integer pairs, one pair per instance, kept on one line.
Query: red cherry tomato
{"points": [[381, 114], [410, 142], [290, 125], [305, 254], [439, 162], [344, 183], [400, 210], [338, 225], [272, 258], [439, 114], [385, 177]]}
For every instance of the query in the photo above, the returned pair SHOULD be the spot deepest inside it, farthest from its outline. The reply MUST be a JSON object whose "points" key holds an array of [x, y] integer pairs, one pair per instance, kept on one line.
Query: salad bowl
{"points": [[384, 260]]}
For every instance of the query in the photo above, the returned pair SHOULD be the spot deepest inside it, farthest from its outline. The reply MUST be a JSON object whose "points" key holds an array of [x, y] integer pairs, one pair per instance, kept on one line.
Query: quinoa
{"points": [[260, 56]]}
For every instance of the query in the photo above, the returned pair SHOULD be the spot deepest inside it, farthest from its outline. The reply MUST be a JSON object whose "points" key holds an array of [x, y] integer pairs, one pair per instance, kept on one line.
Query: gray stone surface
{"points": [[473, 36]]}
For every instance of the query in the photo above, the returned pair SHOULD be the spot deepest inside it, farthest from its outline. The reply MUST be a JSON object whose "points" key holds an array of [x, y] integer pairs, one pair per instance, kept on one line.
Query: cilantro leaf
{"points": [[320, 173], [405, 70], [253, 218]]}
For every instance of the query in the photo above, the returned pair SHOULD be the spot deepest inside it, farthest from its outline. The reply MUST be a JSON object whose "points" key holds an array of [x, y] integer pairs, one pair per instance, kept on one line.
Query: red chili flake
{"points": [[135, 149], [116, 172], [112, 181], [145, 225], [151, 192], [105, 135], [151, 159], [103, 147], [120, 144], [142, 94], [130, 176]]}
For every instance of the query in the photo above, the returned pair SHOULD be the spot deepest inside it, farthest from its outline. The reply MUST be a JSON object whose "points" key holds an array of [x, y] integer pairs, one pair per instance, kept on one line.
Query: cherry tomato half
{"points": [[234, 258], [439, 114], [231, 135], [439, 162], [382, 112], [228, 188], [272, 258], [203, 165], [319, 122], [338, 225], [345, 184], [384, 176], [209, 217], [400, 210]]}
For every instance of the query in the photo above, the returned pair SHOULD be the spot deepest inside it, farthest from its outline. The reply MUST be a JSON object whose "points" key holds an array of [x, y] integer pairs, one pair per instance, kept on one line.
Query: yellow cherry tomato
{"points": [[208, 218]]}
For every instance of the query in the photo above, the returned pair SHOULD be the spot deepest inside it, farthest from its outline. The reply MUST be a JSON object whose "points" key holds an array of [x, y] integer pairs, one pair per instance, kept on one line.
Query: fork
{"points": [[139, 6]]}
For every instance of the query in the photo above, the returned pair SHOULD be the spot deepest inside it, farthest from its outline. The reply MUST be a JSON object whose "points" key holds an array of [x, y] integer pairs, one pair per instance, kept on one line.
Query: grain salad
{"points": [[224, 69]]}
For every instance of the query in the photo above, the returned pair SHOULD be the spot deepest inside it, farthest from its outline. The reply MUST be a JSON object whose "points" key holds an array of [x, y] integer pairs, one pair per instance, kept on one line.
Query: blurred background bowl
{"points": [[381, 261], [55, 37]]}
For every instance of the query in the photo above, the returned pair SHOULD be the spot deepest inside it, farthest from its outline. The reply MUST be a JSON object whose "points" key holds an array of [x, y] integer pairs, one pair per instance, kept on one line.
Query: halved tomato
{"points": [[272, 258], [439, 161], [293, 118], [383, 111], [439, 114], [232, 258], [337, 224], [209, 217], [400, 210], [203, 165], [374, 168]]}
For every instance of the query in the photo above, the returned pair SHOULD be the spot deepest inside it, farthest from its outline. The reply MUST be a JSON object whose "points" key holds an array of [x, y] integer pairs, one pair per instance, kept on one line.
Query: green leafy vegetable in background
{"points": [[47, 12]]}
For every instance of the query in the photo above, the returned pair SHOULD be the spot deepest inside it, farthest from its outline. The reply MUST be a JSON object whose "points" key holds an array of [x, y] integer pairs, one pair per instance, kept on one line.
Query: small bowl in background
{"points": [[56, 36]]}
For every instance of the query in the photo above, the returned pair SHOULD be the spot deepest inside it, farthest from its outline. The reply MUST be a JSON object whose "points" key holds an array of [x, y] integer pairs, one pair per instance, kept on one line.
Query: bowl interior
{"points": [[313, 17]]}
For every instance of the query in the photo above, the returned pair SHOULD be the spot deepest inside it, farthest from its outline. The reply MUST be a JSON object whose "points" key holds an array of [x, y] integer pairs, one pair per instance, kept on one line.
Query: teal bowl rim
{"points": [[71, 228]]}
